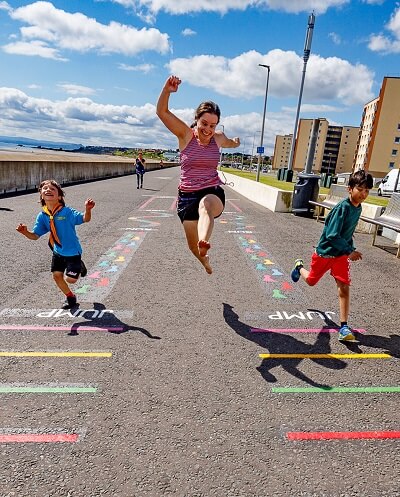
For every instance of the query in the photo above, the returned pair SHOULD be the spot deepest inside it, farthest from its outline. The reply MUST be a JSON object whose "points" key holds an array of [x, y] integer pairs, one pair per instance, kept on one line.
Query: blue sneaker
{"points": [[345, 333], [295, 274]]}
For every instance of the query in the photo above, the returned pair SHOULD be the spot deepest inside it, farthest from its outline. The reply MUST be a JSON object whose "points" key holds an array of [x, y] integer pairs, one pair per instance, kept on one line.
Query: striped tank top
{"points": [[199, 166]]}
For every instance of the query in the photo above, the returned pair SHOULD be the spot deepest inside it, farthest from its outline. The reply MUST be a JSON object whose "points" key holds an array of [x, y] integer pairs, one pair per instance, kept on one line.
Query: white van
{"points": [[386, 186]]}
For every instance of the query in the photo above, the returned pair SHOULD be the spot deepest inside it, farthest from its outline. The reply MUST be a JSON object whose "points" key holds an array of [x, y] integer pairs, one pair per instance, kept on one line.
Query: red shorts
{"points": [[339, 267]]}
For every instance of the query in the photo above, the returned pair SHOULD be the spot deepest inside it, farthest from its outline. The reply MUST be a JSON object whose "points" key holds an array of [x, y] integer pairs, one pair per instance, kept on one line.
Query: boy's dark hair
{"points": [[53, 182], [361, 178]]}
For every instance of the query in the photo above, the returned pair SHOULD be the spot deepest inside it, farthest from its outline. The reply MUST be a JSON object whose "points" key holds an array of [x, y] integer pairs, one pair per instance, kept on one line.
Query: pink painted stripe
{"points": [[145, 204], [342, 435], [58, 328], [173, 205], [301, 330], [39, 437], [237, 209]]}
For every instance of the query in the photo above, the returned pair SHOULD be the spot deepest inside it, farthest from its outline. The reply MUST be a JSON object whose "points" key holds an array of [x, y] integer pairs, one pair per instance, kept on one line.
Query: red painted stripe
{"points": [[39, 437], [145, 204], [237, 208], [342, 435], [301, 330]]}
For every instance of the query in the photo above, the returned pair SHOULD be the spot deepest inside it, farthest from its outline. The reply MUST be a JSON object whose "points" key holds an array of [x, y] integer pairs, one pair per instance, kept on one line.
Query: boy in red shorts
{"points": [[335, 248]]}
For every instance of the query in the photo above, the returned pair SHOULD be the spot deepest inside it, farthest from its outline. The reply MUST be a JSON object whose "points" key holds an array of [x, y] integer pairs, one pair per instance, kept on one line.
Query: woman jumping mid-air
{"points": [[200, 196]]}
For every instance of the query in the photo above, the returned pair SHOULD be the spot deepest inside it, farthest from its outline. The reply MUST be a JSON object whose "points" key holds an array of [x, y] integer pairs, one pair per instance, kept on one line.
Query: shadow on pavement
{"points": [[388, 345], [108, 322], [279, 343]]}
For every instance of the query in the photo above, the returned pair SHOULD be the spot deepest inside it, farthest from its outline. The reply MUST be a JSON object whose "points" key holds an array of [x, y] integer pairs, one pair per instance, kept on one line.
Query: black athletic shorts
{"points": [[188, 202], [70, 265]]}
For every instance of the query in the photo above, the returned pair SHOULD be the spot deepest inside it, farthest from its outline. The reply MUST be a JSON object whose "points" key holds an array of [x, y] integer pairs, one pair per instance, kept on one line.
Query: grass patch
{"points": [[283, 185]]}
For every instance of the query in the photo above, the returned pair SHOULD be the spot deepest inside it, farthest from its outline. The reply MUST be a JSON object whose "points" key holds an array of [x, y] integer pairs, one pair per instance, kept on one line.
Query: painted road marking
{"points": [[301, 330], [28, 388], [59, 328], [102, 280], [325, 356], [54, 354], [342, 435], [39, 438], [335, 389]]}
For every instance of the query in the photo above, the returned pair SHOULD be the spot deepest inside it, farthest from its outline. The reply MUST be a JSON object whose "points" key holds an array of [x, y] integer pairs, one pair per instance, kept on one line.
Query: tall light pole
{"points": [[307, 50], [263, 123]]}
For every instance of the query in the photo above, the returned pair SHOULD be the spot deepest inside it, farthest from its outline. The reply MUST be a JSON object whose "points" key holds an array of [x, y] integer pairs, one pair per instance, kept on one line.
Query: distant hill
{"points": [[19, 140]]}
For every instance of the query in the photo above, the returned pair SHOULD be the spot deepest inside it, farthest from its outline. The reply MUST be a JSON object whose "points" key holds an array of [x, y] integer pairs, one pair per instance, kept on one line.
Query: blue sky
{"points": [[91, 71]]}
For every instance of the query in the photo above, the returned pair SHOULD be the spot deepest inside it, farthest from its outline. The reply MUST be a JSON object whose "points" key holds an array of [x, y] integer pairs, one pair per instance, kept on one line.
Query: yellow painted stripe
{"points": [[325, 356], [55, 354]]}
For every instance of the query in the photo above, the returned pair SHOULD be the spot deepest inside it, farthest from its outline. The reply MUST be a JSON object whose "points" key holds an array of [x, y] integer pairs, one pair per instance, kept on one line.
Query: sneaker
{"points": [[345, 333], [295, 274], [69, 303], [83, 269]]}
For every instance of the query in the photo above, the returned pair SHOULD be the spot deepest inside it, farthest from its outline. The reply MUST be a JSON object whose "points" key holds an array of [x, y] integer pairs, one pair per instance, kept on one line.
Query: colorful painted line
{"points": [[325, 356], [335, 389], [57, 328], [342, 435], [45, 389], [300, 330], [54, 354], [39, 438]]}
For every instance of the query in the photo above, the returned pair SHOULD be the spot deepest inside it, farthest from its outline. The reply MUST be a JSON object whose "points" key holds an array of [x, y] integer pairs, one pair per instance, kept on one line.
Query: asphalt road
{"points": [[177, 401]]}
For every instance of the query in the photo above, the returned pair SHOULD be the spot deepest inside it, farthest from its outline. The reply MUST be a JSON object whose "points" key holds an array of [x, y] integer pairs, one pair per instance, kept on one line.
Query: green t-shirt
{"points": [[337, 235]]}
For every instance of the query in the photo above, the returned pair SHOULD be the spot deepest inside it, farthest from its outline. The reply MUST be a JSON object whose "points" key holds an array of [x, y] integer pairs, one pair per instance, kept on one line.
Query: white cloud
{"points": [[326, 79], [223, 6], [390, 43], [5, 6], [65, 31], [145, 68], [73, 89], [335, 38], [188, 32], [34, 48]]}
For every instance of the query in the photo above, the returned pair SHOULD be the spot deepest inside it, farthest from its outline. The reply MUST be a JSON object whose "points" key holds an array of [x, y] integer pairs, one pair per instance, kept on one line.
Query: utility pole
{"points": [[306, 55], [263, 123]]}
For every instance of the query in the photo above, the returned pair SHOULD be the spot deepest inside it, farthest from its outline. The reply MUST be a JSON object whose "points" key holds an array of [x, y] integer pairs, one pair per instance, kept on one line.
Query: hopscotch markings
{"points": [[102, 280], [325, 356], [32, 353], [270, 275], [46, 388], [342, 435], [232, 204], [327, 389], [301, 330], [59, 328], [39, 438], [289, 315]]}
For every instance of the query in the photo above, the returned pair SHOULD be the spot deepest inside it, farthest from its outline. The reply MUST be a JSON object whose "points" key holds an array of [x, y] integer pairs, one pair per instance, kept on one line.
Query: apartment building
{"points": [[378, 145], [281, 151], [323, 147]]}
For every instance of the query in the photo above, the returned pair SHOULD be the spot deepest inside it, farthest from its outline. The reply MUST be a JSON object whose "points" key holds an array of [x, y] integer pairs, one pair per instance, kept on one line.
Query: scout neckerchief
{"points": [[53, 238]]}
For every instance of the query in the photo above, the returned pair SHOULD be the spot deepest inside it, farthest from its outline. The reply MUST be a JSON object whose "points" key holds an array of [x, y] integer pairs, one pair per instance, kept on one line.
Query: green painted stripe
{"points": [[335, 389], [45, 389]]}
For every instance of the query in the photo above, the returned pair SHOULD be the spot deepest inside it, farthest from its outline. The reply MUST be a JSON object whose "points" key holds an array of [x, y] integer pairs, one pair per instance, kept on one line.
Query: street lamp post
{"points": [[306, 55], [263, 122]]}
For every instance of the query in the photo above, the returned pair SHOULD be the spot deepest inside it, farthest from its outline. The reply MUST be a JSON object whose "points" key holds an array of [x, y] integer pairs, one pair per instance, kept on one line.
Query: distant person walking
{"points": [[60, 221], [140, 170], [335, 248], [200, 196]]}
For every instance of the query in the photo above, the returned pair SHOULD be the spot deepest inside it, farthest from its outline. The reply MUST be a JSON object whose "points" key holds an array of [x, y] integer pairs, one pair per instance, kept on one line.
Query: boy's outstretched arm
{"points": [[89, 204], [22, 228]]}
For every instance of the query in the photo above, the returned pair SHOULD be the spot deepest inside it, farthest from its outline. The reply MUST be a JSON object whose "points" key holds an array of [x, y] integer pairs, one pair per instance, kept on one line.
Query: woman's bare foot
{"points": [[203, 247], [206, 263]]}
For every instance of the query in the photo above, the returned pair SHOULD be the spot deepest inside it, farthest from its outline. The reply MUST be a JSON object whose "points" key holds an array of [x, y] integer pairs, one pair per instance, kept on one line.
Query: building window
{"points": [[394, 152], [391, 165], [397, 139]]}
